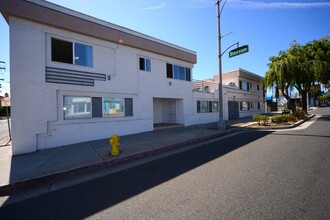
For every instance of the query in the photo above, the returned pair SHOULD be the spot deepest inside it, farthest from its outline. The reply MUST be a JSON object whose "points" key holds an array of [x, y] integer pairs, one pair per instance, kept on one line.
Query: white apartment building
{"points": [[75, 78], [242, 95]]}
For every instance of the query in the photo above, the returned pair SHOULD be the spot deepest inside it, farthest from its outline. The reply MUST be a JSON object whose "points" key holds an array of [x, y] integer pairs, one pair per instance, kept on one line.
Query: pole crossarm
{"points": [[237, 43], [218, 3]]}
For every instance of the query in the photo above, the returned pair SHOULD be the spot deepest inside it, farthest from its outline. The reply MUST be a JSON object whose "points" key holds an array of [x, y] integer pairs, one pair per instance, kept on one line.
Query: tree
{"points": [[300, 67], [280, 76]]}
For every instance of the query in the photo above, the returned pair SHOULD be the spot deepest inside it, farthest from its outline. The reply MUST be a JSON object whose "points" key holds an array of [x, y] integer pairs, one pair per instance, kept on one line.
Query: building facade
{"points": [[243, 94], [75, 78]]}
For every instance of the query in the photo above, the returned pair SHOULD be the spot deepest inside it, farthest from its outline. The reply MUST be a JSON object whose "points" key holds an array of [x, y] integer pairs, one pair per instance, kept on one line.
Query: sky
{"points": [[267, 26]]}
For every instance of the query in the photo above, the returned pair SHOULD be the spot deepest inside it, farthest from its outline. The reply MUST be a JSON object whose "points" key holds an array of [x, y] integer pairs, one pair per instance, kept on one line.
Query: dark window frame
{"points": [[178, 72], [66, 51], [143, 64], [209, 104], [244, 85]]}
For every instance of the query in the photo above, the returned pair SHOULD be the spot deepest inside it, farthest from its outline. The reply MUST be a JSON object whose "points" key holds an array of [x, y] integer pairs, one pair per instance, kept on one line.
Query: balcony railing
{"points": [[208, 86]]}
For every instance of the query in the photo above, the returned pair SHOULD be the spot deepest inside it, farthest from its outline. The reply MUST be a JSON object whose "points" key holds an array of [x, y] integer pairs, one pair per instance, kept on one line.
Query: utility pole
{"points": [[221, 122]]}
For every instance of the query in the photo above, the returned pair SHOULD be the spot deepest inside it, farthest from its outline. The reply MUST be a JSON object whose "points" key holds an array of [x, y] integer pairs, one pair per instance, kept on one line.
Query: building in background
{"points": [[243, 94]]}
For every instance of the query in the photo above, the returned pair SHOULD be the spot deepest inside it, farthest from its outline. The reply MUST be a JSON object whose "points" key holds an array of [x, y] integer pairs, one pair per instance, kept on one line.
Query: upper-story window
{"points": [[72, 53], [258, 87], [243, 85], [145, 64], [178, 72]]}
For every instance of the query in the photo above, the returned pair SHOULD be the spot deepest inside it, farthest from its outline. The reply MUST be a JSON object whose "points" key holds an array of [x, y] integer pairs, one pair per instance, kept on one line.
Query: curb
{"points": [[59, 175], [285, 126], [295, 124]]}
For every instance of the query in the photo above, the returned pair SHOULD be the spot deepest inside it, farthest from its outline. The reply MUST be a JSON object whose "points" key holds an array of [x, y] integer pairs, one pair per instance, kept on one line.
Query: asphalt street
{"points": [[254, 175]]}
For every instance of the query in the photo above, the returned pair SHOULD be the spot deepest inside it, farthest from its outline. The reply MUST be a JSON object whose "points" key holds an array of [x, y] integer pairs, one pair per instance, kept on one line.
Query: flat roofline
{"points": [[81, 15], [242, 70], [60, 17]]}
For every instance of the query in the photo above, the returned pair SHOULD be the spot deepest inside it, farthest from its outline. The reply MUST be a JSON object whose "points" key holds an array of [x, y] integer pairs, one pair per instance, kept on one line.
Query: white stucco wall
{"points": [[37, 106]]}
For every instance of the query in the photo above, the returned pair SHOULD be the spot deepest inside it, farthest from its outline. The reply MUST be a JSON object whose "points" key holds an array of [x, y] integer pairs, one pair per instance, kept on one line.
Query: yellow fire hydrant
{"points": [[114, 142]]}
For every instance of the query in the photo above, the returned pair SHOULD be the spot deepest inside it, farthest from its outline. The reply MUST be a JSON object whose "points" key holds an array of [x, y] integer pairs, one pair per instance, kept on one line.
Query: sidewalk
{"points": [[55, 163]]}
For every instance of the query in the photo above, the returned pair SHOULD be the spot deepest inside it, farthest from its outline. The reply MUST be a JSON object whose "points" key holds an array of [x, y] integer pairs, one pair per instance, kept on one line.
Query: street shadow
{"points": [[324, 118], [88, 198]]}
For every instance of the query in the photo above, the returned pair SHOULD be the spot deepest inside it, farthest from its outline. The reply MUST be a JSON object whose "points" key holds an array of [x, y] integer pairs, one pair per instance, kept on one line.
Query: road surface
{"points": [[253, 175]]}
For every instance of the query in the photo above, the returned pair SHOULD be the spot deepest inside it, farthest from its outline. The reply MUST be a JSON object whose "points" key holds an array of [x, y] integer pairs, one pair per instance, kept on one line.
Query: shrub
{"points": [[299, 114], [261, 118], [292, 118], [257, 118], [281, 119]]}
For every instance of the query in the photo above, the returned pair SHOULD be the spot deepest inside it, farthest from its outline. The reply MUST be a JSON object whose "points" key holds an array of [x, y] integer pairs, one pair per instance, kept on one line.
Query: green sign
{"points": [[239, 51]]}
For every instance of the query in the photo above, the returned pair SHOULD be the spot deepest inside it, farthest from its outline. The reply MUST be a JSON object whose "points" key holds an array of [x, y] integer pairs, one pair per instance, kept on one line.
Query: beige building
{"points": [[242, 93]]}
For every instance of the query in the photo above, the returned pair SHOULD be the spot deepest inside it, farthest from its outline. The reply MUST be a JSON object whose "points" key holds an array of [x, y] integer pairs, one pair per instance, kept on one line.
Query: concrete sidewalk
{"points": [[56, 163]]}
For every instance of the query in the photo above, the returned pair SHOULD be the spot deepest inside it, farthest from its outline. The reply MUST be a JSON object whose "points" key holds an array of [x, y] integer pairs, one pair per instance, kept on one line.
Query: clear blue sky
{"points": [[267, 26]]}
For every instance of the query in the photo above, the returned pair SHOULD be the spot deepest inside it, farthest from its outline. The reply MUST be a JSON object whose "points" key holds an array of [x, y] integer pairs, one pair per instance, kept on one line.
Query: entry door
{"points": [[233, 110], [171, 111]]}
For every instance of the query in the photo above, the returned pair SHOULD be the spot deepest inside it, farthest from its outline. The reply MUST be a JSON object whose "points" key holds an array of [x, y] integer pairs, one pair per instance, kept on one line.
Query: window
{"points": [[251, 104], [145, 64], [203, 107], [113, 107], [169, 70], [244, 106], [243, 85], [258, 87], [215, 107], [62, 51], [83, 55], [188, 74], [207, 106], [71, 53], [178, 72], [259, 105], [76, 107]]}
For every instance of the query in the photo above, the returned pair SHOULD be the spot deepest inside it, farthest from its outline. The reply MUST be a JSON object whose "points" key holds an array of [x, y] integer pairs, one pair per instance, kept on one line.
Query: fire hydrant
{"points": [[114, 142]]}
